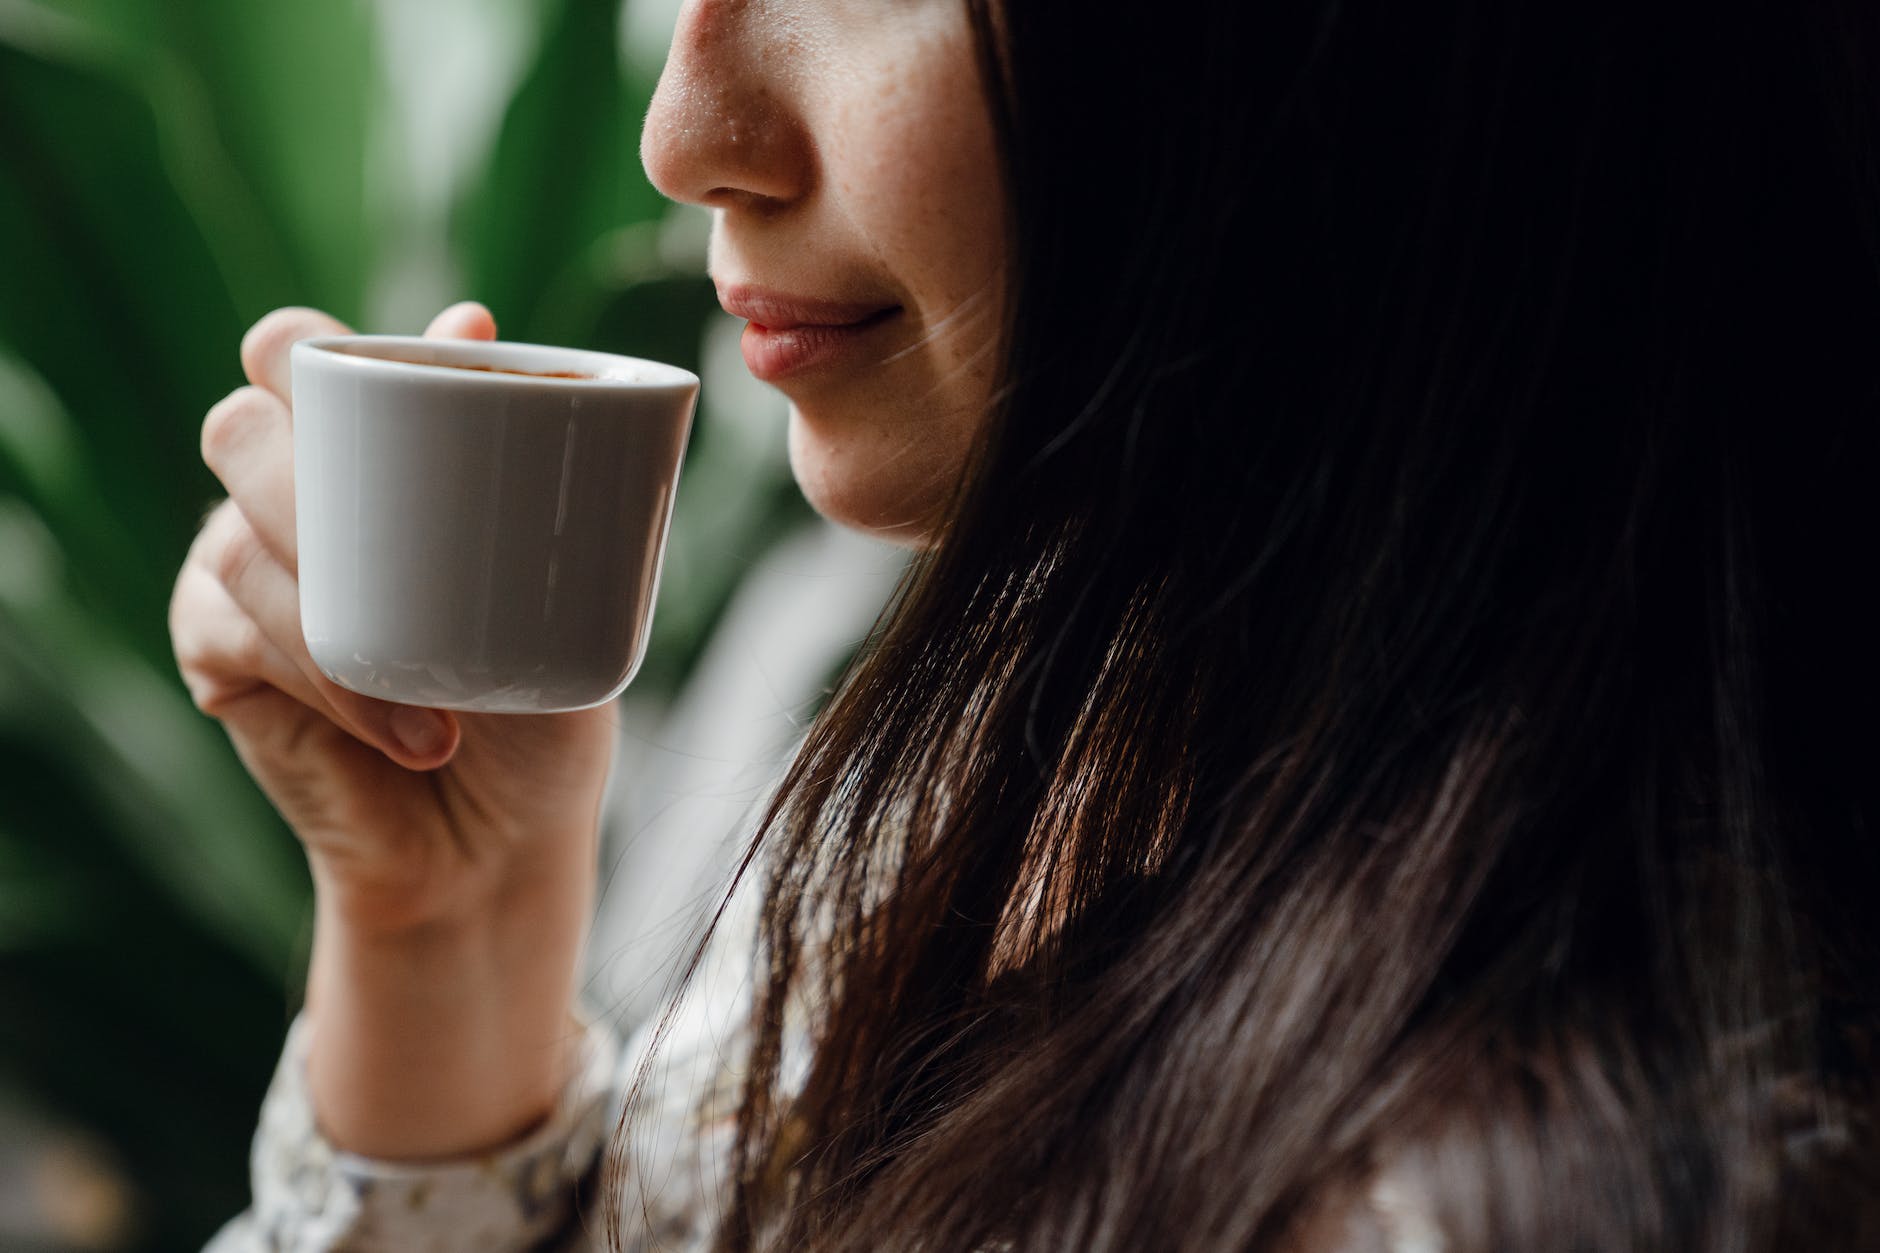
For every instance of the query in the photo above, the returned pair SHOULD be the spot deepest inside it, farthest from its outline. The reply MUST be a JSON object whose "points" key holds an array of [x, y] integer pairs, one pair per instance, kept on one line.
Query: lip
{"points": [[789, 334]]}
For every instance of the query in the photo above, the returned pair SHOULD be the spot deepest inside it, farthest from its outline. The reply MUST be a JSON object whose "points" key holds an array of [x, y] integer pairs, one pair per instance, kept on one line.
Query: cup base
{"points": [[439, 686]]}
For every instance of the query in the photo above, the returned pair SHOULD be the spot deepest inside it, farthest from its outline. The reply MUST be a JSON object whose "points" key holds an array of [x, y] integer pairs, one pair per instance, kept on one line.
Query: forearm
{"points": [[447, 1039]]}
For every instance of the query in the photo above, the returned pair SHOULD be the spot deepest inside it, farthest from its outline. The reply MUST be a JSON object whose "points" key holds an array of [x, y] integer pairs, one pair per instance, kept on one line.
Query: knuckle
{"points": [[206, 694], [247, 647], [228, 424], [270, 338], [192, 610], [189, 659], [215, 652], [213, 523], [235, 554], [198, 689], [269, 334], [214, 696], [177, 607], [181, 621], [207, 689]]}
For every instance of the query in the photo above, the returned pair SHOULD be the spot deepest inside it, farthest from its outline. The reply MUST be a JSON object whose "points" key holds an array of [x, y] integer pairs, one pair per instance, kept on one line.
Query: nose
{"points": [[721, 131]]}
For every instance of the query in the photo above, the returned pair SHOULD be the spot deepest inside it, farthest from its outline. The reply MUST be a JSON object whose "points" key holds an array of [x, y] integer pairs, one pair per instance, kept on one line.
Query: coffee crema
{"points": [[534, 374], [465, 365]]}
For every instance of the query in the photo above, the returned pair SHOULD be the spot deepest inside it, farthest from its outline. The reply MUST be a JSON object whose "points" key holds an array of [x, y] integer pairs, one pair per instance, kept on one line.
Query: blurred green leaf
{"points": [[43, 461], [179, 805], [113, 295], [37, 441], [152, 907], [95, 31], [288, 91], [39, 905], [169, 171], [172, 172], [565, 172], [126, 1014]]}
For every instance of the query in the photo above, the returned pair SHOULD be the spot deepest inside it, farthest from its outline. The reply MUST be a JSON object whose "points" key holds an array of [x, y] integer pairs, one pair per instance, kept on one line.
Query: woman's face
{"points": [[846, 152]]}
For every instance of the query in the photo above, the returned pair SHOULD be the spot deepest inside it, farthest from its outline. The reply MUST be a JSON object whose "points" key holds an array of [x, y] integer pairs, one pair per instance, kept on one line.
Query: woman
{"points": [[1374, 751]]}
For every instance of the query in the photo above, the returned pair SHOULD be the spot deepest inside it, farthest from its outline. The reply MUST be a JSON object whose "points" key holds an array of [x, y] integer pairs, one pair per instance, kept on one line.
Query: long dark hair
{"points": [[1396, 693]]}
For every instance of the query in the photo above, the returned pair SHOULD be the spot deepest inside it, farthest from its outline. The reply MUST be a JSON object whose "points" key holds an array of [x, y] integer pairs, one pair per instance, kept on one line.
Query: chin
{"points": [[856, 484]]}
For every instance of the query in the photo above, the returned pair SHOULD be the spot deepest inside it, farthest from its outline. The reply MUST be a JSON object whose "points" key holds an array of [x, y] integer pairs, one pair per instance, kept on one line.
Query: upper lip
{"points": [[782, 311]]}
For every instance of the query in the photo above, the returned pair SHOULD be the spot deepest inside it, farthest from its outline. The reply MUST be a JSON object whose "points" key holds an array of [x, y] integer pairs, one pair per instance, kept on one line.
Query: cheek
{"points": [[914, 167], [911, 174]]}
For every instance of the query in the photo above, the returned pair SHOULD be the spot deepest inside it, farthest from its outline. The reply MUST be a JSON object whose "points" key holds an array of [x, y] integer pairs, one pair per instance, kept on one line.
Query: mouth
{"points": [[789, 335]]}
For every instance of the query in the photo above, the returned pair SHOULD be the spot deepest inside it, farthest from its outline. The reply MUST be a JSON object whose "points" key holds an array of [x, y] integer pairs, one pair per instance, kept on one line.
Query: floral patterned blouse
{"points": [[544, 1192], [538, 1193]]}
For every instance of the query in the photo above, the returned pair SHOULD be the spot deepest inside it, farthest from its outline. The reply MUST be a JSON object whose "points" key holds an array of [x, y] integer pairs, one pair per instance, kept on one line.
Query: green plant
{"points": [[167, 174]]}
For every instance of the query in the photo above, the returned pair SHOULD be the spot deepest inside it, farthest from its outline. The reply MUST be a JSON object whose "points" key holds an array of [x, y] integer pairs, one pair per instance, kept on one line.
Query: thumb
{"points": [[464, 320]]}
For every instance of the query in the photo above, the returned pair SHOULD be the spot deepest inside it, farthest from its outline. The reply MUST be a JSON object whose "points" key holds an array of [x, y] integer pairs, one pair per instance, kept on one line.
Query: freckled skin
{"points": [[847, 153]]}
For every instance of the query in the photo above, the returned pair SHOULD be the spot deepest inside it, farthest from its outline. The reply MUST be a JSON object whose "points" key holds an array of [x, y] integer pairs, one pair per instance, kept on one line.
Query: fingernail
{"points": [[419, 732]]}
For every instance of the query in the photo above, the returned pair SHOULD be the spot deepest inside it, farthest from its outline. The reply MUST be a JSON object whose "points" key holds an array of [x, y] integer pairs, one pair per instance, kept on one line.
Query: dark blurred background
{"points": [[169, 171]]}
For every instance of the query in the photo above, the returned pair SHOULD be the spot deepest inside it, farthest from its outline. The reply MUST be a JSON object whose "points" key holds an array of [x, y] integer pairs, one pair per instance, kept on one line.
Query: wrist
{"points": [[442, 1038], [427, 900]]}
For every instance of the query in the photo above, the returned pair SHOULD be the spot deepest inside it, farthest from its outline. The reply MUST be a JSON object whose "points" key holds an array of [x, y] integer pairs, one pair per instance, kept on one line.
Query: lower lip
{"points": [[772, 354]]}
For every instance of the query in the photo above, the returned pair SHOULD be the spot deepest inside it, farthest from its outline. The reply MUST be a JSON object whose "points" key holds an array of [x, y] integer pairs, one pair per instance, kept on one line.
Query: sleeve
{"points": [[310, 1197], [543, 1192]]}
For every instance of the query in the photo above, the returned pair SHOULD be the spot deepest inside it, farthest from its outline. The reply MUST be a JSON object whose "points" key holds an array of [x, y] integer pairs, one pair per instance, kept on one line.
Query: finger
{"points": [[239, 677], [417, 739], [224, 654], [266, 346], [317, 775], [286, 746], [464, 320], [248, 440], [254, 587]]}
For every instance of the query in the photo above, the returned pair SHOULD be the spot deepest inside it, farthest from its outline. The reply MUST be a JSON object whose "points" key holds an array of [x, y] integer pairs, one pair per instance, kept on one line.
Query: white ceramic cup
{"points": [[476, 539]]}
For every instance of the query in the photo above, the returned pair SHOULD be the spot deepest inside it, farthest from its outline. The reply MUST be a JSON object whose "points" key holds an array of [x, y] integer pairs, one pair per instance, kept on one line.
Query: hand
{"points": [[410, 817], [453, 855]]}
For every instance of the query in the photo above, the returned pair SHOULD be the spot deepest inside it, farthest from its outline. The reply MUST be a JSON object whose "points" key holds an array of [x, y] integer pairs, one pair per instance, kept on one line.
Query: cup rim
{"points": [[646, 373]]}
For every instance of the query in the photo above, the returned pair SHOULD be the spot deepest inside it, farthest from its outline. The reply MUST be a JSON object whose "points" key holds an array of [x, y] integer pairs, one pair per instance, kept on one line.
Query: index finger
{"points": [[265, 347], [464, 320]]}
